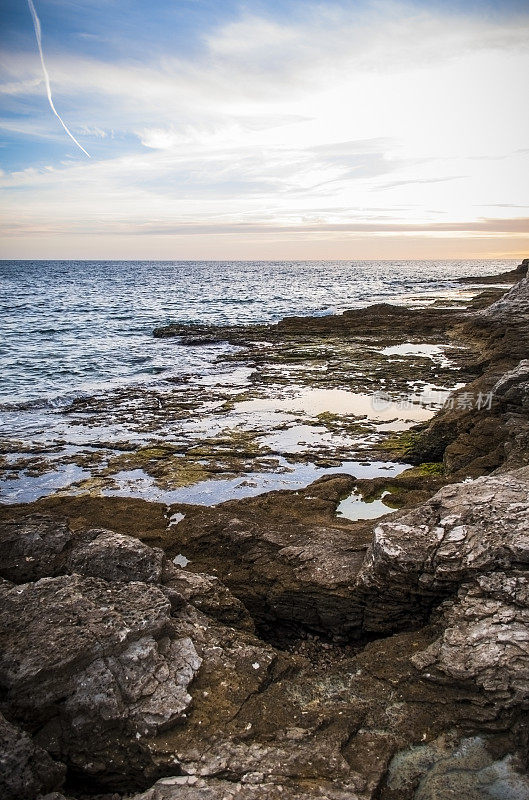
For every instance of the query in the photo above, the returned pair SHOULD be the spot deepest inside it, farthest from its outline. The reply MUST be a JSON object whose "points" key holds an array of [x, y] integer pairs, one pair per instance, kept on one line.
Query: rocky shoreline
{"points": [[265, 648]]}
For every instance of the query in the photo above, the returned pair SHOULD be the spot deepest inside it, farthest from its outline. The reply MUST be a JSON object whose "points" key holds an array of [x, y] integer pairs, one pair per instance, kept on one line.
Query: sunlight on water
{"points": [[339, 401]]}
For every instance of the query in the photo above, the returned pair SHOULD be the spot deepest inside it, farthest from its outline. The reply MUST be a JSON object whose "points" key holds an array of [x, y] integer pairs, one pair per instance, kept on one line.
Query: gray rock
{"points": [[96, 665], [128, 682], [209, 595], [114, 557], [25, 769], [514, 305], [465, 530], [33, 548], [449, 768], [43, 546], [513, 387], [281, 568], [189, 787], [485, 640]]}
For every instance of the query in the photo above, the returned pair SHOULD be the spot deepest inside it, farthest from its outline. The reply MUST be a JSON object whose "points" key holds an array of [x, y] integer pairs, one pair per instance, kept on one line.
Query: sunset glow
{"points": [[249, 131]]}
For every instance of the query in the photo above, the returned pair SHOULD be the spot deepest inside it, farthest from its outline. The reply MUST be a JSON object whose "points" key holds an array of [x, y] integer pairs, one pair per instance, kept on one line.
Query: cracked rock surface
{"points": [[465, 530], [128, 682]]}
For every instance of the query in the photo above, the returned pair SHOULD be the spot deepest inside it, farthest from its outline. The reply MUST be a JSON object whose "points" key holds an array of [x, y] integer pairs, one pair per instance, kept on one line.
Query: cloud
{"points": [[284, 127], [411, 182], [36, 25]]}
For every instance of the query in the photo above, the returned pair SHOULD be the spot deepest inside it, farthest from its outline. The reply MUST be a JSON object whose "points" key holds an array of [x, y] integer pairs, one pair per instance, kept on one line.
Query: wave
{"points": [[46, 403]]}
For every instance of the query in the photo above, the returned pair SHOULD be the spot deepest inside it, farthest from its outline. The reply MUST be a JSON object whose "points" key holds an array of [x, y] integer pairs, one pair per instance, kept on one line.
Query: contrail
{"points": [[36, 25]]}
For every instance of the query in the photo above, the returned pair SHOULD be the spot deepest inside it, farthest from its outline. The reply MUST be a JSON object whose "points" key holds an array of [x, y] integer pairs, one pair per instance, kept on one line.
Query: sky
{"points": [[265, 130]]}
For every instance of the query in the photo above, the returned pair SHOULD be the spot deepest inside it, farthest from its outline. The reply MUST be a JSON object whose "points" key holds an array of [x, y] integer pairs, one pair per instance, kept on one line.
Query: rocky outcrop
{"points": [[284, 554], [485, 639], [94, 667], [158, 675], [512, 306], [513, 387], [485, 426], [25, 769], [465, 530], [45, 547], [369, 321], [511, 276], [390, 660]]}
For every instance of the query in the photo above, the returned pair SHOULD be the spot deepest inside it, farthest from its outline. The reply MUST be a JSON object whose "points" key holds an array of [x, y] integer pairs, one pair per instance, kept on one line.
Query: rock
{"points": [[400, 320], [131, 670], [511, 276], [208, 595], [93, 665], [450, 767], [290, 572], [254, 788], [54, 796], [421, 557], [285, 555], [115, 557], [513, 387], [45, 546], [25, 769], [130, 682], [32, 549], [475, 439], [485, 640], [514, 305]]}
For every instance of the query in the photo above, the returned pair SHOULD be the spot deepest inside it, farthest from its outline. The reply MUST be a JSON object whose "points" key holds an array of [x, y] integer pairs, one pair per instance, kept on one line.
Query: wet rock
{"points": [[25, 769], [377, 318]]}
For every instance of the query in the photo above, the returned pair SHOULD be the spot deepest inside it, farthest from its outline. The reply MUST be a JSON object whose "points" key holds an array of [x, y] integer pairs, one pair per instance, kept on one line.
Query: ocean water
{"points": [[74, 327]]}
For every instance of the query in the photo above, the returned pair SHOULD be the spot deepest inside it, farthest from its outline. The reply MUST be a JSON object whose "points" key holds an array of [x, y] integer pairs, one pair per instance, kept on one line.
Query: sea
{"points": [[71, 329]]}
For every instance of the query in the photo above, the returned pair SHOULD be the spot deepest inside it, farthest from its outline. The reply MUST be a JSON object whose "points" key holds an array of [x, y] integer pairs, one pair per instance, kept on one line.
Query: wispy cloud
{"points": [[38, 36]]}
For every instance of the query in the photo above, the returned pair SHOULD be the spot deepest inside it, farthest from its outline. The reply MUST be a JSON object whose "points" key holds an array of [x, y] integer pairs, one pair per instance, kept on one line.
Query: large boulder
{"points": [[94, 666], [43, 546], [484, 640], [467, 529]]}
